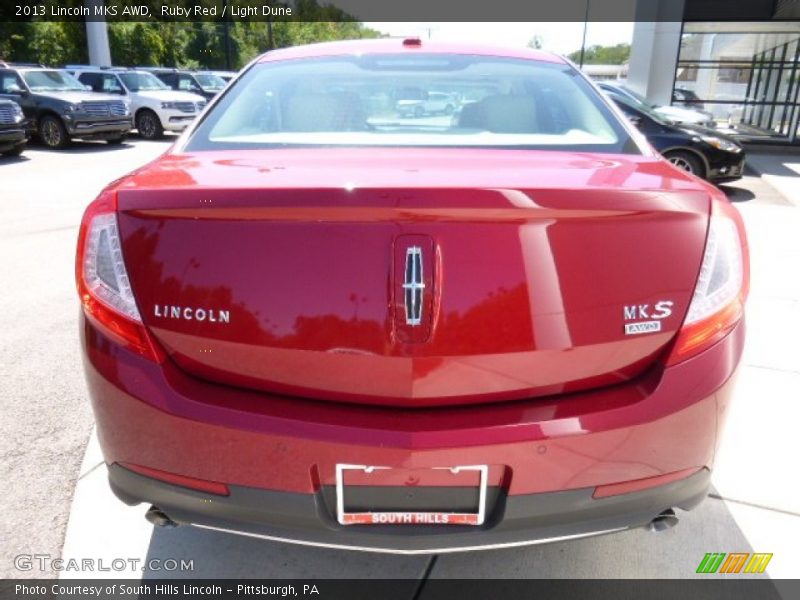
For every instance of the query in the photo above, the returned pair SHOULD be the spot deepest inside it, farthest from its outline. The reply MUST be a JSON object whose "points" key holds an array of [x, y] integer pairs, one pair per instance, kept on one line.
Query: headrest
{"points": [[324, 112], [501, 114]]}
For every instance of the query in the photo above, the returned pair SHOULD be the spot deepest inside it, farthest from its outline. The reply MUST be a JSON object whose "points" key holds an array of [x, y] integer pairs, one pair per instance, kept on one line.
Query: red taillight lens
{"points": [[637, 485], [722, 285], [201, 485], [103, 284]]}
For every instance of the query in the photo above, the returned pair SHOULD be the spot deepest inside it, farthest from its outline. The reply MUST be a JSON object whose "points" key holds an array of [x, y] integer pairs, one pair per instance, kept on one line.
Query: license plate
{"points": [[410, 517]]}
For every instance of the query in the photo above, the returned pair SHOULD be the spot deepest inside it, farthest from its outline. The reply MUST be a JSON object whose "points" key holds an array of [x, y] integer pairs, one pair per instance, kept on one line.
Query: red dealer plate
{"points": [[410, 518]]}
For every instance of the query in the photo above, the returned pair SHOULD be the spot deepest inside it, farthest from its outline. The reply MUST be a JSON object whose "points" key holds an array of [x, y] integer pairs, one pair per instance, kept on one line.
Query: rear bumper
{"points": [[310, 519], [278, 455]]}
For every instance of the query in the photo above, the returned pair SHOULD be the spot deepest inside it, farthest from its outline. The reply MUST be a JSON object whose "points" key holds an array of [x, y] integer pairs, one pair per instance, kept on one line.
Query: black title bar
{"points": [[730, 588], [337, 10]]}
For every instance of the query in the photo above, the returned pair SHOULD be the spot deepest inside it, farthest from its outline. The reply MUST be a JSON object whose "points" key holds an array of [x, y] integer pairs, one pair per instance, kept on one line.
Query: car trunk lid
{"points": [[431, 290]]}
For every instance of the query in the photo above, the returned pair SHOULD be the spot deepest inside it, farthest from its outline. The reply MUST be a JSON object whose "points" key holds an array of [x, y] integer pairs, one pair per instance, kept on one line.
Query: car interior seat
{"points": [[501, 114], [340, 111]]}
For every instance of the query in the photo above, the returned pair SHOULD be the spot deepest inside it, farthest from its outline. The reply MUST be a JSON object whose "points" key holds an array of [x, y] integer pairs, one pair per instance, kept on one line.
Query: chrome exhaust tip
{"points": [[666, 520], [159, 518]]}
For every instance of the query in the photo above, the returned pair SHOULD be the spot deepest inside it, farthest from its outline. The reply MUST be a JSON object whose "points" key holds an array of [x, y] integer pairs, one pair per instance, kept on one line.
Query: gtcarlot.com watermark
{"points": [[44, 562]]}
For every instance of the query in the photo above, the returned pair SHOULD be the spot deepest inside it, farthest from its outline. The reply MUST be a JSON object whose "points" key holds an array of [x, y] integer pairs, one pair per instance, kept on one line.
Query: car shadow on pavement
{"points": [[638, 553], [737, 194], [13, 160], [90, 147], [167, 138], [81, 147]]}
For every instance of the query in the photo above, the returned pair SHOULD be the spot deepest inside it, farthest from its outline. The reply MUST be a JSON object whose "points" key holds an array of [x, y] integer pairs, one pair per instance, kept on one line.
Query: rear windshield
{"points": [[421, 100]]}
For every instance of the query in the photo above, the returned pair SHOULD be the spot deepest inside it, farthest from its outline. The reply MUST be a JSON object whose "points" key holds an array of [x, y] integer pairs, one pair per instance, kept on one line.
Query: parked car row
{"points": [[94, 103]]}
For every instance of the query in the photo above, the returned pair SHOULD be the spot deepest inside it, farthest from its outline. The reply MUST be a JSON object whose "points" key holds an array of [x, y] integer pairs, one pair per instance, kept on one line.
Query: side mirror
{"points": [[15, 89]]}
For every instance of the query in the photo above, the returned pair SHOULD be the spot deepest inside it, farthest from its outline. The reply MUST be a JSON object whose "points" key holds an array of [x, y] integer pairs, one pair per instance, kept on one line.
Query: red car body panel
{"points": [[667, 420], [531, 274]]}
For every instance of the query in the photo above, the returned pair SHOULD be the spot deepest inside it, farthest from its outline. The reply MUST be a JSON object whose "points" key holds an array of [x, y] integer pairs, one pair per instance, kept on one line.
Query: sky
{"points": [[561, 38]]}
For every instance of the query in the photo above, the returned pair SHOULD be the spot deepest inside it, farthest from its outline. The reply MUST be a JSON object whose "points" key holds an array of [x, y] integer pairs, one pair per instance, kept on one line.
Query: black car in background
{"points": [[205, 83], [13, 128], [61, 109], [699, 150]]}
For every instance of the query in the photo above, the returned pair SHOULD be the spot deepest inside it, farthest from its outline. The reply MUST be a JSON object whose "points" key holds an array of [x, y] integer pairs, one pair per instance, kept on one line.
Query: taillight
{"points": [[201, 485], [103, 285], [722, 285]]}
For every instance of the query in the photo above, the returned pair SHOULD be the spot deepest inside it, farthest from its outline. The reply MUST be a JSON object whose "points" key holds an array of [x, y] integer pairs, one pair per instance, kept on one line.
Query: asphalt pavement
{"points": [[57, 502]]}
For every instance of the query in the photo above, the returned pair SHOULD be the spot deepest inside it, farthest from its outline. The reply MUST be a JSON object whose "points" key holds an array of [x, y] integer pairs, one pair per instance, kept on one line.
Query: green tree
{"points": [[179, 44], [43, 42], [603, 55], [13, 39], [135, 44]]}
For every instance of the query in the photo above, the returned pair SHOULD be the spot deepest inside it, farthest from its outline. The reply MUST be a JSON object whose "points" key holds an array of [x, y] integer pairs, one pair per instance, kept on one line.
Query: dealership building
{"points": [[740, 59]]}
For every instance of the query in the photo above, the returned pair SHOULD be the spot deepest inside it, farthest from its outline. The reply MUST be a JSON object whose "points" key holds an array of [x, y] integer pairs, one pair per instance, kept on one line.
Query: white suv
{"points": [[155, 106], [427, 104]]}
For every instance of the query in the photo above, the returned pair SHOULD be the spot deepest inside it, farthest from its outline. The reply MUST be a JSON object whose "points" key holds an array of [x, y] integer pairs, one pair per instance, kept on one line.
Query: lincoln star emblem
{"points": [[414, 286]]}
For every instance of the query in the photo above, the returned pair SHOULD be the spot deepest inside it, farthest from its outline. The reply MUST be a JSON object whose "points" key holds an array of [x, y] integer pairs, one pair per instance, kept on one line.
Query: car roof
{"points": [[112, 70], [18, 68], [394, 45]]}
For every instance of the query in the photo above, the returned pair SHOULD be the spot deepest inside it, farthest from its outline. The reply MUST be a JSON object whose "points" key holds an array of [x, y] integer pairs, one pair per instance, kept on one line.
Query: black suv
{"points": [[13, 128], [61, 109], [204, 83]]}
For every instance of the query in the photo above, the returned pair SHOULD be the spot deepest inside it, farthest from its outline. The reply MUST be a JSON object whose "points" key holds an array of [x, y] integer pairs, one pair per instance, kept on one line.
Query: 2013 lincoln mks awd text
{"points": [[320, 319]]}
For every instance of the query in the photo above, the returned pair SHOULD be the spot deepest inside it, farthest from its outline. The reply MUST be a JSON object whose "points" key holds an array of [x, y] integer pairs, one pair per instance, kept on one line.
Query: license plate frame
{"points": [[411, 517]]}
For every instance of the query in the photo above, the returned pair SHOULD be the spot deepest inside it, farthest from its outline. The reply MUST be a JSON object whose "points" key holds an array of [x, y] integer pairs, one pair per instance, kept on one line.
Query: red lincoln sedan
{"points": [[320, 319]]}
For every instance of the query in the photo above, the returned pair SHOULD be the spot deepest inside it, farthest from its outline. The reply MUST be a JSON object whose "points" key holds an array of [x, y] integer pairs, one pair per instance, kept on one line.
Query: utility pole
{"points": [[226, 28], [97, 37], [585, 26], [270, 38]]}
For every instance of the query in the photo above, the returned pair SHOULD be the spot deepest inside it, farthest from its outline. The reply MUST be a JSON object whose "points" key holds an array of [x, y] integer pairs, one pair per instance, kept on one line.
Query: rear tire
{"points": [[52, 132], [687, 161], [149, 125]]}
